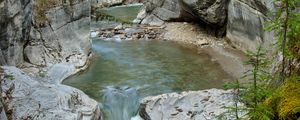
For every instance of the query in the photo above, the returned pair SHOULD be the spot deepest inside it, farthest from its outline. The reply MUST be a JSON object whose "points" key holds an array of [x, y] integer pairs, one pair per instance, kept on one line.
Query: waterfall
{"points": [[120, 103]]}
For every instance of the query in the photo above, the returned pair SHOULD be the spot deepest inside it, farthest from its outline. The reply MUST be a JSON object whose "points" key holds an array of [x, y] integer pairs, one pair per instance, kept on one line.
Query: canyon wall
{"points": [[242, 21], [246, 23], [44, 33], [49, 39]]}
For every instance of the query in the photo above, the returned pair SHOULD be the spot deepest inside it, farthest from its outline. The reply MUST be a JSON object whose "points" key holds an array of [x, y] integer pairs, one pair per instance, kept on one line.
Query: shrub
{"points": [[286, 101]]}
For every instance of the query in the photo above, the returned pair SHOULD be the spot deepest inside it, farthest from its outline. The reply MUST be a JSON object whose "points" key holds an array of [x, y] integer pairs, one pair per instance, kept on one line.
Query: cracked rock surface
{"points": [[42, 99], [194, 105], [63, 38]]}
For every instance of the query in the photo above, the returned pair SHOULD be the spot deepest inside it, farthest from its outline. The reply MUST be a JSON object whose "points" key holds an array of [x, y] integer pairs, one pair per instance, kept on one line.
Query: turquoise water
{"points": [[124, 72]]}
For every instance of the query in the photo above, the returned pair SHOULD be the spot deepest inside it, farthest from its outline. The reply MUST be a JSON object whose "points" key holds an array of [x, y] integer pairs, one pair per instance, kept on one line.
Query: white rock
{"points": [[194, 105]]}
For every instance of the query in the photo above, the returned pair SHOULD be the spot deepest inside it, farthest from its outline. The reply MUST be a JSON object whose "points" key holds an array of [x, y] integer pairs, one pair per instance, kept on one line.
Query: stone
{"points": [[65, 36], [2, 114], [35, 55], [210, 12], [153, 20], [245, 26], [193, 105], [37, 98], [15, 19]]}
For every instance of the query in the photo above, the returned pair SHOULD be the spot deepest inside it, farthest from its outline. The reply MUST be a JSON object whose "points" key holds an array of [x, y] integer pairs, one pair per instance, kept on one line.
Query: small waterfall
{"points": [[120, 103]]}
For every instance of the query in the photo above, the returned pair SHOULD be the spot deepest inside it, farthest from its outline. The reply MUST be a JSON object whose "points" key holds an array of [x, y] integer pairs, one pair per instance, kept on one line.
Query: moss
{"points": [[286, 101]]}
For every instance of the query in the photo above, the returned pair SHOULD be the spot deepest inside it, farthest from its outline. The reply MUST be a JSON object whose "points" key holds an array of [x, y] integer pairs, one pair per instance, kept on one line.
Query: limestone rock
{"points": [[245, 27], [195, 105], [36, 98], [15, 19], [64, 38], [211, 12]]}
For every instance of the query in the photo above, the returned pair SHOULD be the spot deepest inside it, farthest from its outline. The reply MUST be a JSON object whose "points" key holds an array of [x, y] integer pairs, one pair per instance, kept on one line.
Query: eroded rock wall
{"points": [[15, 24], [64, 36], [242, 21], [42, 99], [246, 23], [59, 35], [52, 35], [209, 13]]}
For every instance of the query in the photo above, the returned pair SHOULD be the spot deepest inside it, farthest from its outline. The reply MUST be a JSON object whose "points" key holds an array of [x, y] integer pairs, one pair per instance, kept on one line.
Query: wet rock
{"points": [[42, 99], [195, 105]]}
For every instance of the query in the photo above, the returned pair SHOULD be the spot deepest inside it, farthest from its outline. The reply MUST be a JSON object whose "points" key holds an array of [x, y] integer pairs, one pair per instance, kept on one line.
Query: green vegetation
{"points": [[254, 93], [285, 103], [287, 26], [267, 98], [10, 77], [42, 74]]}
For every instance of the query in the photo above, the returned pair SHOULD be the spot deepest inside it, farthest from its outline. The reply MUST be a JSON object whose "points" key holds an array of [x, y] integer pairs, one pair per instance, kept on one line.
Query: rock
{"points": [[35, 55], [34, 98], [2, 114], [15, 19], [119, 27], [64, 35], [211, 14], [152, 20], [208, 11], [141, 15], [193, 34], [94, 34], [194, 105], [245, 27]]}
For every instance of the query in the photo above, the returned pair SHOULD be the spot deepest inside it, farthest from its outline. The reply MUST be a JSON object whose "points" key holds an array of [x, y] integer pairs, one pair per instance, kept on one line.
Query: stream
{"points": [[123, 72]]}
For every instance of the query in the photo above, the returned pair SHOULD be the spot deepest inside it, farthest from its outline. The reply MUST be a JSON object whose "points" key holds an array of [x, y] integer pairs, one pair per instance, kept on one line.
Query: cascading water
{"points": [[120, 103]]}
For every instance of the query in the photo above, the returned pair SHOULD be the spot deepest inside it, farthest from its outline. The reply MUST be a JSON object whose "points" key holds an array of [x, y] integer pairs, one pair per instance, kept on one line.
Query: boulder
{"points": [[194, 105], [38, 99]]}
